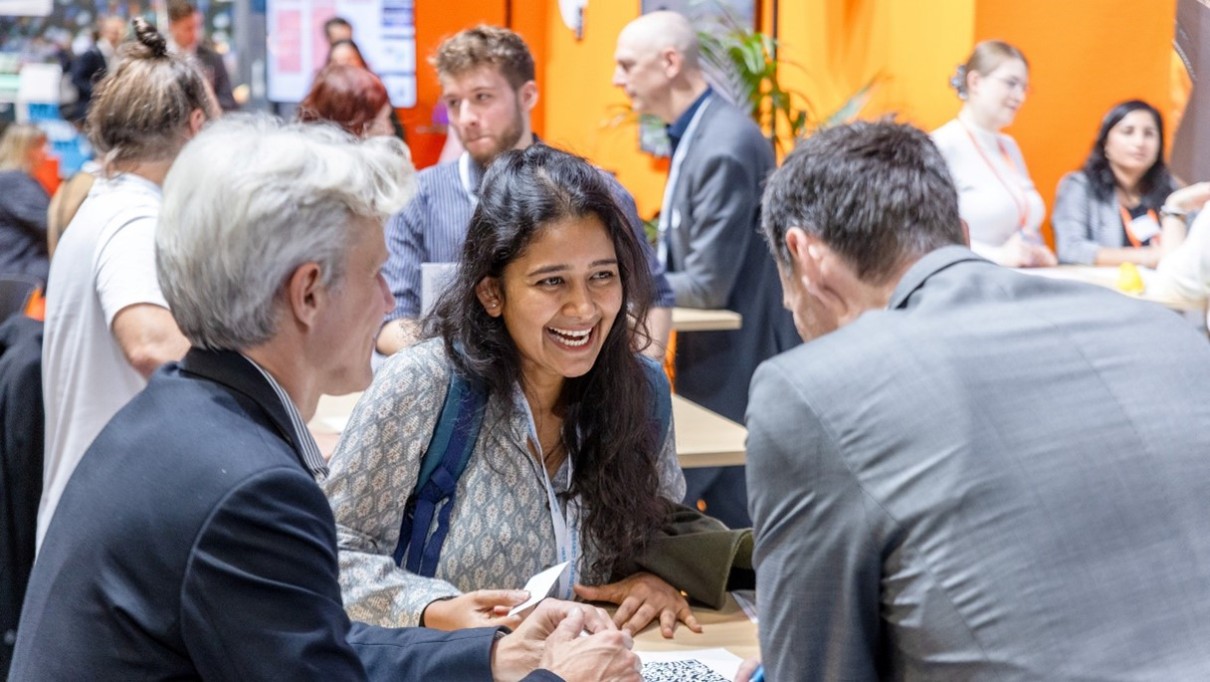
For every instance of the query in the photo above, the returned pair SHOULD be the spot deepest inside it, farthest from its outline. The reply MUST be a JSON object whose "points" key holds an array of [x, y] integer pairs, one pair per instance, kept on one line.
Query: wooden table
{"points": [[703, 438], [1107, 277], [698, 320], [728, 628]]}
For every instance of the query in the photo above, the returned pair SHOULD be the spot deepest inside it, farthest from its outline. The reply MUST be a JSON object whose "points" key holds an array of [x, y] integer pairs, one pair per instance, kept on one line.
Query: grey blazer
{"points": [[718, 259], [1083, 223], [1000, 477]]}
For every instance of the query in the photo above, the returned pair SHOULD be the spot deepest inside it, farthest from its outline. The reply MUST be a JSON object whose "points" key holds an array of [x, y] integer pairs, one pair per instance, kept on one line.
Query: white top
{"points": [[994, 188], [1184, 274], [105, 262]]}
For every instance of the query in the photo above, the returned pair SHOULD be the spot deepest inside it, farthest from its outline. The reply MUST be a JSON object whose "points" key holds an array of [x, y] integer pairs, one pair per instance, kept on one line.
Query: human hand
{"points": [[603, 656], [1190, 198], [746, 669], [1016, 252], [481, 608], [641, 598], [1149, 256], [551, 638], [1040, 256]]}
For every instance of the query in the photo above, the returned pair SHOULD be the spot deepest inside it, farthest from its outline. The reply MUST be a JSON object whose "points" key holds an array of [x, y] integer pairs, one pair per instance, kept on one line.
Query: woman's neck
{"points": [[973, 119], [1127, 183], [542, 398], [155, 171]]}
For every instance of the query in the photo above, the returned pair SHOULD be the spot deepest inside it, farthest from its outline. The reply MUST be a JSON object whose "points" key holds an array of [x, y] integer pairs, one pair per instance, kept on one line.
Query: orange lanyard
{"points": [[1021, 201], [1127, 220]]}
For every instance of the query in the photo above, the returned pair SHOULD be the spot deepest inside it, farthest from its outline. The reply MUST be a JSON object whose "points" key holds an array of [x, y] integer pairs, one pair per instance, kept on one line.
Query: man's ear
{"points": [[823, 274], [490, 296], [528, 95], [305, 294], [806, 254], [672, 62]]}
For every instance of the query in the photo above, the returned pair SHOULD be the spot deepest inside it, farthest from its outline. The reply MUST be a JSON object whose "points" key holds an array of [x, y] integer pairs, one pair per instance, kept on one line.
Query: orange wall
{"points": [[829, 49], [436, 20], [1085, 56], [579, 99]]}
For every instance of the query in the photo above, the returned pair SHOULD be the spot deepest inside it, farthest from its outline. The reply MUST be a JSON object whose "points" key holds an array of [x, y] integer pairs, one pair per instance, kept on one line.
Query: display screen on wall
{"points": [[384, 30]]}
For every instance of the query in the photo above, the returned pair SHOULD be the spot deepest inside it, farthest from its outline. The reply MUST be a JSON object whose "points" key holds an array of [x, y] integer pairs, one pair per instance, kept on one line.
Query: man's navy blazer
{"points": [[192, 542]]}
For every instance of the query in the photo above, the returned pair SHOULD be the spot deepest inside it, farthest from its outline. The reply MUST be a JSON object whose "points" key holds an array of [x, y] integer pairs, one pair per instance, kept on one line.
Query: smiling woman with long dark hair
{"points": [[568, 465]]}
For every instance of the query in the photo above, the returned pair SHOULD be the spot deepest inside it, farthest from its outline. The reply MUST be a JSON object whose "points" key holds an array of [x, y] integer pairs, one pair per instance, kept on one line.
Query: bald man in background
{"points": [[709, 241]]}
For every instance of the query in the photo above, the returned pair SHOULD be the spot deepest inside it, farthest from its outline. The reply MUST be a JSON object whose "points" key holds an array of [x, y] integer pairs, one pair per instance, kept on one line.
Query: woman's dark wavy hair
{"points": [[1155, 185], [608, 412]]}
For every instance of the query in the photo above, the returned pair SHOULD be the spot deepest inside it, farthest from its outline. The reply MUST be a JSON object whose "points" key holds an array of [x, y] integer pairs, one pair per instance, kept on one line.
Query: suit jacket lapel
{"points": [[237, 374]]}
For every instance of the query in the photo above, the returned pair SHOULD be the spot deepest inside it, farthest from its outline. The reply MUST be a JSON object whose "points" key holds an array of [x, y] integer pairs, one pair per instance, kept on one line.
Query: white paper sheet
{"points": [[540, 585]]}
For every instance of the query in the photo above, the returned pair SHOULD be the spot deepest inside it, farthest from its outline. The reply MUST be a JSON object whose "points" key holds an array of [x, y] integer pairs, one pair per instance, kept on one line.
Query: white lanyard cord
{"points": [[674, 172]]}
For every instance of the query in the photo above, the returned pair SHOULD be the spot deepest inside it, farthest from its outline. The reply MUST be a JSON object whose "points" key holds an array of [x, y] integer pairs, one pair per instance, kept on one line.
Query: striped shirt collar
{"points": [[312, 457]]}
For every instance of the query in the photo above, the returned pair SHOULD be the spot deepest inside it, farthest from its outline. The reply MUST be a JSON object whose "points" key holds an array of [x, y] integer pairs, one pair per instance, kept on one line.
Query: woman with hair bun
{"points": [[108, 326], [1113, 209], [996, 197]]}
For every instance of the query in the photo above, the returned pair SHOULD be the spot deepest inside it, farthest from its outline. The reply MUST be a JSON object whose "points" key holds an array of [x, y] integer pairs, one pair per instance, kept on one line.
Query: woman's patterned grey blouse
{"points": [[501, 531]]}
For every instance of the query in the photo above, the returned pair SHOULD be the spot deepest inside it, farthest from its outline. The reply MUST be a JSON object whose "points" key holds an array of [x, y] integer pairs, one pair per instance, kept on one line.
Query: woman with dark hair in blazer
{"points": [[1112, 210]]}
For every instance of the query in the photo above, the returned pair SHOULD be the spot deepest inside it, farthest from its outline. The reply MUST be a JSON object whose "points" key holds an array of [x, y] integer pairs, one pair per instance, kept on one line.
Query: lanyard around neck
{"points": [[1128, 222], [1021, 200], [674, 173], [566, 524]]}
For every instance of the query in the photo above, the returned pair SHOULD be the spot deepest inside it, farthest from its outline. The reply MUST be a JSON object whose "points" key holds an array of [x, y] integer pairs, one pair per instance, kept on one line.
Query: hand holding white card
{"points": [[540, 585]]}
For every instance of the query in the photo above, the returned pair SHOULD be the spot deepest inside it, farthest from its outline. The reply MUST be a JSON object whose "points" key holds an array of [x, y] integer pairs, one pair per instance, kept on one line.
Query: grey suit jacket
{"points": [[1083, 223], [999, 477], [718, 259]]}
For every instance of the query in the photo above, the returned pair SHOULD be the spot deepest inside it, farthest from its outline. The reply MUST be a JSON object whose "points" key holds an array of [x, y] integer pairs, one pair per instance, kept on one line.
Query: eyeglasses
{"points": [[1015, 84]]}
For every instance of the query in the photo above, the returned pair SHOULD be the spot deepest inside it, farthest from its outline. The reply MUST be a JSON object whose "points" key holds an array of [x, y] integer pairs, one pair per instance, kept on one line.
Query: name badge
{"points": [[1144, 227]]}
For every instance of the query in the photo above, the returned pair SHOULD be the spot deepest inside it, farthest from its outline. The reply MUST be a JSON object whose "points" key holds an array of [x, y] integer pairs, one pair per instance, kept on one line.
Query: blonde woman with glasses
{"points": [[996, 197]]}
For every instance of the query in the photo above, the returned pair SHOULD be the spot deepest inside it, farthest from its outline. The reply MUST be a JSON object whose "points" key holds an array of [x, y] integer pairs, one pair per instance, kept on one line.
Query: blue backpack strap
{"points": [[442, 465], [662, 393]]}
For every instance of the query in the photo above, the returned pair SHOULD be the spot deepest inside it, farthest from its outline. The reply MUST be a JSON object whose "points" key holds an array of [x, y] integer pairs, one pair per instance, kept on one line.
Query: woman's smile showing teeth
{"points": [[572, 338]]}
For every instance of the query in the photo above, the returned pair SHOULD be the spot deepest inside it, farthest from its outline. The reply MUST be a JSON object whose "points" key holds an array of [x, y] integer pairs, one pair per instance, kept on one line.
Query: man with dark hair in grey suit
{"points": [[709, 232], [967, 473]]}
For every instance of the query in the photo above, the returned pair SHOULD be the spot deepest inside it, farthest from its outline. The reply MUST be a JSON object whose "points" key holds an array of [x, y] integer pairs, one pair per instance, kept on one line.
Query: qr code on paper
{"points": [[680, 671]]}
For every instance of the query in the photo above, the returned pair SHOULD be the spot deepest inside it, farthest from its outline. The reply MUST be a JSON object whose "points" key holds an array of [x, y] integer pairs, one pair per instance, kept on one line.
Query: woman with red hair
{"points": [[352, 98]]}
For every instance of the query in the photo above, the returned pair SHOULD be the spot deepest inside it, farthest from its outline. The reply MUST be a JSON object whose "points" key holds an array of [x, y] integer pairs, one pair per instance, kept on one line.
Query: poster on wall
{"points": [[710, 15], [384, 30], [25, 8]]}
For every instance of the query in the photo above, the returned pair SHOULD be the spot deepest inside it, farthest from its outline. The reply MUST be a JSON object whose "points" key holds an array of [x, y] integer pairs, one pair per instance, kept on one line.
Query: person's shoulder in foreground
{"points": [[967, 473], [193, 541]]}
